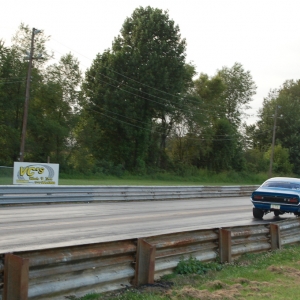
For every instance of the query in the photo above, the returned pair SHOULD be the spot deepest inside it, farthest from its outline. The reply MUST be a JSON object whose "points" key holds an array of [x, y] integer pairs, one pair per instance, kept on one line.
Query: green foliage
{"points": [[286, 98], [53, 100], [139, 112], [281, 164], [239, 90], [12, 96], [126, 108], [256, 161], [194, 266], [203, 177]]}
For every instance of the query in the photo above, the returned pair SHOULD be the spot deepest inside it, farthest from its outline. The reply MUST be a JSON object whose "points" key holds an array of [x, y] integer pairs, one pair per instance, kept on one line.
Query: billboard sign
{"points": [[27, 173]]}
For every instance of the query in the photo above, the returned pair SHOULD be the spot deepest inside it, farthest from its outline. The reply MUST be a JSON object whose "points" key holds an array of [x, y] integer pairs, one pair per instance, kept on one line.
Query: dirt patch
{"points": [[288, 271], [242, 281], [226, 294], [217, 285]]}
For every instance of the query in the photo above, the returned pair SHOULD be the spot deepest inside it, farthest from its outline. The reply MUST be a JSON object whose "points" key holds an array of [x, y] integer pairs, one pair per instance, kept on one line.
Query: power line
{"points": [[176, 96], [168, 100], [185, 137], [10, 82]]}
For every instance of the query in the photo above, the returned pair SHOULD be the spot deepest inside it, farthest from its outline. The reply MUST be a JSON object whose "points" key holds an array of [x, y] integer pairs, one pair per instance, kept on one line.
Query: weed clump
{"points": [[194, 266]]}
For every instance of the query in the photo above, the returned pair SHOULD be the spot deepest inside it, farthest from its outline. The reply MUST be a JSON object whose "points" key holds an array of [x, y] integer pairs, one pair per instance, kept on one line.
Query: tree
{"points": [[12, 95], [287, 100], [225, 149], [53, 114], [53, 104], [137, 87], [239, 90], [215, 116], [281, 164]]}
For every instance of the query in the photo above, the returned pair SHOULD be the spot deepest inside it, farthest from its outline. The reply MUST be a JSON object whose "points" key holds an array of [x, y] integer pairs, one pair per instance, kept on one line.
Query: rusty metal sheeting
{"points": [[166, 265], [250, 239], [78, 253], [170, 248], [289, 224], [81, 269], [247, 239], [290, 239], [186, 249], [249, 230], [289, 231], [183, 238], [78, 270], [250, 247], [80, 283]]}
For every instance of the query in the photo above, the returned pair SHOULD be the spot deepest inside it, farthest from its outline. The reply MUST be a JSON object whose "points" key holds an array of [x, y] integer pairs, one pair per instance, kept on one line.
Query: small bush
{"points": [[194, 266]]}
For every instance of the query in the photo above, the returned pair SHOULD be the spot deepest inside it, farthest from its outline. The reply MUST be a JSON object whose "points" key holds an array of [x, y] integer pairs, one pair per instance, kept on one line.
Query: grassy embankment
{"points": [[202, 178], [271, 275]]}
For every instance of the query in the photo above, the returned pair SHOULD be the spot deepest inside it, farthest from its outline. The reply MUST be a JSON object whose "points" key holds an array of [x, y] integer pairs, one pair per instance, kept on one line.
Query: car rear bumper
{"points": [[283, 208]]}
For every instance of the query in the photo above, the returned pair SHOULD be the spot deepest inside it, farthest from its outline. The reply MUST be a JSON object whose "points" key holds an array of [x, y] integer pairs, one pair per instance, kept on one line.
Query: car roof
{"points": [[290, 179]]}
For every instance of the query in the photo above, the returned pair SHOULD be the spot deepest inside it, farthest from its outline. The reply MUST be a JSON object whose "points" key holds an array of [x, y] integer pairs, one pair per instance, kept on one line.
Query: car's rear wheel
{"points": [[257, 213]]}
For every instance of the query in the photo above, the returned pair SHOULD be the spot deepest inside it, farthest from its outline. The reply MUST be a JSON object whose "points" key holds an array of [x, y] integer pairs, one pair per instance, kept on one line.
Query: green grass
{"points": [[271, 275], [5, 180], [202, 177]]}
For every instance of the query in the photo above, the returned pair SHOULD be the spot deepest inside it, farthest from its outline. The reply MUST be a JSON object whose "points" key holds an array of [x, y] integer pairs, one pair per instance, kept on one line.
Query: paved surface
{"points": [[58, 225]]}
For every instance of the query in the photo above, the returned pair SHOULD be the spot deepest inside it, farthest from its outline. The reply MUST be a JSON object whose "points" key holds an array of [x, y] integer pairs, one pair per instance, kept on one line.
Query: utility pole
{"points": [[273, 142], [23, 137]]}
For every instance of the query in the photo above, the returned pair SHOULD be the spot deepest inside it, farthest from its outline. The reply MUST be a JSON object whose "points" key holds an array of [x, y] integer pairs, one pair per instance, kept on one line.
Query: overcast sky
{"points": [[262, 35]]}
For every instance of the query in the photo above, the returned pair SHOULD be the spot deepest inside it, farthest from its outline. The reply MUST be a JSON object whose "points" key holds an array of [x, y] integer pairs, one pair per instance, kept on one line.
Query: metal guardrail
{"points": [[77, 270], [247, 239], [34, 194], [170, 248]]}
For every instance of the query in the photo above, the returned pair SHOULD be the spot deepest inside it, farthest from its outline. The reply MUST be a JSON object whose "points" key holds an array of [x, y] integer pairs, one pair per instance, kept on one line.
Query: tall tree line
{"points": [[139, 108]]}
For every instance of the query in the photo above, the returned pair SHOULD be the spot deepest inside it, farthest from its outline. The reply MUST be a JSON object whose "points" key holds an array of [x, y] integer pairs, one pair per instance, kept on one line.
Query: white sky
{"points": [[262, 35]]}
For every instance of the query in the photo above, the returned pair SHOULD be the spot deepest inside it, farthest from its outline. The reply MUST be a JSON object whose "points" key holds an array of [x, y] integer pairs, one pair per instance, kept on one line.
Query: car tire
{"points": [[257, 213]]}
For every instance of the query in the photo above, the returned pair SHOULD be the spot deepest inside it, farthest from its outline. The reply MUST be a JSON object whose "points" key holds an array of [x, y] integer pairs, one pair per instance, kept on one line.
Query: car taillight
{"points": [[258, 197], [293, 200]]}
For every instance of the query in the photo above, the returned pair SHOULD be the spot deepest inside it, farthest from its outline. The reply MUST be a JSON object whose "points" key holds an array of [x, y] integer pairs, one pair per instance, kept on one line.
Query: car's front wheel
{"points": [[257, 213]]}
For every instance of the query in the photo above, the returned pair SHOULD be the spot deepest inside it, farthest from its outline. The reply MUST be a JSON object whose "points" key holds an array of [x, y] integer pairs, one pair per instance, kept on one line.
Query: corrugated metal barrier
{"points": [[56, 194], [170, 248], [78, 270]]}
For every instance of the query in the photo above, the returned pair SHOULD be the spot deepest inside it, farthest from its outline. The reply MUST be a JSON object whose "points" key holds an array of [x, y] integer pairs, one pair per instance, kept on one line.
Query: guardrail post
{"points": [[225, 245], [16, 277], [275, 237], [145, 263]]}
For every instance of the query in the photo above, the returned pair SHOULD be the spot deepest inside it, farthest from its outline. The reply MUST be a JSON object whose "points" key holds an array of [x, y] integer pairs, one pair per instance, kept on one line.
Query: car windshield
{"points": [[282, 184]]}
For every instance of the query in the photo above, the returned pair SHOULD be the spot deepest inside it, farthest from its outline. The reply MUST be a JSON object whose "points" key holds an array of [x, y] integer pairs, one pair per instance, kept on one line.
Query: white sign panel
{"points": [[35, 174]]}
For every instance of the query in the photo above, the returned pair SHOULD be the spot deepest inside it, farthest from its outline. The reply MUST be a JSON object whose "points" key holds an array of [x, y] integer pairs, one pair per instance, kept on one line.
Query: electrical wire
{"points": [[11, 82], [189, 100], [132, 94], [9, 78], [188, 138]]}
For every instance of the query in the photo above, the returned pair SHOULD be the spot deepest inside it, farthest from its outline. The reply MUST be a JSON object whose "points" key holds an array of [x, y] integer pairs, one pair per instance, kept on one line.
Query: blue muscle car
{"points": [[278, 194]]}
